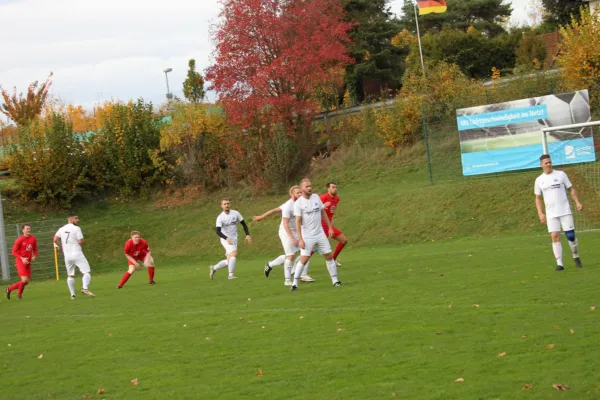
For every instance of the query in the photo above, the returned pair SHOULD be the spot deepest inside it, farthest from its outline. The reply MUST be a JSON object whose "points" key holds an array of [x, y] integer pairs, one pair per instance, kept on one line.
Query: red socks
{"points": [[19, 285], [338, 250], [150, 274], [124, 279]]}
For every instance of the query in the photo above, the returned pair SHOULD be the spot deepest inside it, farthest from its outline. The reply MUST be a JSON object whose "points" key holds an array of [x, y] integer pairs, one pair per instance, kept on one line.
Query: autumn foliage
{"points": [[24, 108], [273, 55]]}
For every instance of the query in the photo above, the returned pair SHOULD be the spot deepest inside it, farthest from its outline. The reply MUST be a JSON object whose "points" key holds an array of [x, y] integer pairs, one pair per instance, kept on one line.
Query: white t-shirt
{"points": [[69, 237], [310, 211], [553, 187], [228, 223], [287, 211]]}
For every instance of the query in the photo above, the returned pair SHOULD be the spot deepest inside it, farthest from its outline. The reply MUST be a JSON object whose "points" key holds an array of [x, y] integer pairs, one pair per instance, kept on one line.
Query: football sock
{"points": [[15, 286], [573, 246], [277, 262], [299, 269], [332, 268], [85, 280], [305, 269], [557, 249], [151, 273], [338, 250], [287, 269], [220, 264], [71, 285], [231, 265], [22, 287], [124, 279]]}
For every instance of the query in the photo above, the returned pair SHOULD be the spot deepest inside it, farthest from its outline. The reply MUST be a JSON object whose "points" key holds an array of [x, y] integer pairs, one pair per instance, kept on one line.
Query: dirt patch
{"points": [[179, 197]]}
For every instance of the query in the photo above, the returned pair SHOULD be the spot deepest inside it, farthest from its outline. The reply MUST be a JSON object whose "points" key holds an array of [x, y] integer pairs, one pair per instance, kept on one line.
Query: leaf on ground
{"points": [[207, 338], [502, 354], [593, 308], [459, 380], [475, 305], [241, 318], [572, 330], [528, 387], [87, 396], [259, 373], [262, 327], [40, 356], [109, 334], [550, 346], [185, 325], [438, 333], [394, 394], [101, 391], [449, 305], [250, 322], [337, 323], [525, 336], [340, 330], [135, 382], [441, 275], [383, 298], [560, 387], [249, 299], [556, 327], [302, 317]]}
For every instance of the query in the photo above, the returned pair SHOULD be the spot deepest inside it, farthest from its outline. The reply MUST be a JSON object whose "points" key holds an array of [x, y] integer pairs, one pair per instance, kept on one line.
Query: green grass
{"points": [[390, 329]]}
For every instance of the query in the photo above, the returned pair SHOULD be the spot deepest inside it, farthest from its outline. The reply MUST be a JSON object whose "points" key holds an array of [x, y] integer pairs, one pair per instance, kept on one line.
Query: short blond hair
{"points": [[293, 188], [222, 200], [133, 233], [304, 180]]}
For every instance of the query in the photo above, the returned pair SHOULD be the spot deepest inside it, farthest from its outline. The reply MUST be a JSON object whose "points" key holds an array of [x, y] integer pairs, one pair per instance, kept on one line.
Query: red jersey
{"points": [[25, 246], [334, 200], [135, 250]]}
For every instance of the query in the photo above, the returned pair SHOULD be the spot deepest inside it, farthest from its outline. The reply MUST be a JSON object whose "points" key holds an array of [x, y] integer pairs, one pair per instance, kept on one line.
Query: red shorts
{"points": [[336, 231], [139, 257], [22, 269]]}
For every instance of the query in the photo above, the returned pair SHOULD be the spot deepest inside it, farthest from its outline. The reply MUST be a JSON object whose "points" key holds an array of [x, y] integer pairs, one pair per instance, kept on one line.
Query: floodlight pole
{"points": [[3, 246]]}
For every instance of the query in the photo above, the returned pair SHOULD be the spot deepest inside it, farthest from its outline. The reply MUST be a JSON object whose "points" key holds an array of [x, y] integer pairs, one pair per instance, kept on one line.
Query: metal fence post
{"points": [[426, 141], [3, 246]]}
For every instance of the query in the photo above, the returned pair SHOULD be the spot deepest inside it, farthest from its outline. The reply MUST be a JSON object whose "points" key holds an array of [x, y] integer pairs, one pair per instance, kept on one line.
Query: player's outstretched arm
{"points": [[539, 204], [575, 198], [267, 214]]}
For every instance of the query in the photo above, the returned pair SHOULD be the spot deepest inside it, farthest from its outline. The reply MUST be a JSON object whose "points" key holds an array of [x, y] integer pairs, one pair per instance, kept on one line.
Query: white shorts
{"points": [[288, 246], [566, 221], [229, 248], [320, 243], [80, 262]]}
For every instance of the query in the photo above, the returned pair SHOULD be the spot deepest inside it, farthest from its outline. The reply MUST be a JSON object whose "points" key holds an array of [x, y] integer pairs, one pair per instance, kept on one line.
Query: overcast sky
{"points": [[106, 49]]}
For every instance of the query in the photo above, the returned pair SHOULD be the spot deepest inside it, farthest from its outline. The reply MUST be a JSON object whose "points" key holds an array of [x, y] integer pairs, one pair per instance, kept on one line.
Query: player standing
{"points": [[552, 185], [137, 249], [227, 230], [288, 237], [25, 251], [309, 213], [70, 238], [330, 201]]}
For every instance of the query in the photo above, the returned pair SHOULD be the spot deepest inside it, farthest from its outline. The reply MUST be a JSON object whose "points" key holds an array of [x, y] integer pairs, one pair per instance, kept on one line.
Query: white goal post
{"points": [[563, 128]]}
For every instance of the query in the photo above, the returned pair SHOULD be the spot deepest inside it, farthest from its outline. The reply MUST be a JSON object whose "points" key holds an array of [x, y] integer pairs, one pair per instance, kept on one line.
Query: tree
{"points": [[271, 56], [22, 109], [487, 16], [193, 86], [559, 12], [376, 60], [531, 52]]}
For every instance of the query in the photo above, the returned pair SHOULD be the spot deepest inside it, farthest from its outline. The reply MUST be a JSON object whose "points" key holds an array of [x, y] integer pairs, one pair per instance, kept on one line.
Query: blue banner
{"points": [[498, 118]]}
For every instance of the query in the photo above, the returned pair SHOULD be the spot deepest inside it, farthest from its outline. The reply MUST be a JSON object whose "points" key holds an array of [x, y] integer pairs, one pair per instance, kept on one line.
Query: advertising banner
{"points": [[508, 136]]}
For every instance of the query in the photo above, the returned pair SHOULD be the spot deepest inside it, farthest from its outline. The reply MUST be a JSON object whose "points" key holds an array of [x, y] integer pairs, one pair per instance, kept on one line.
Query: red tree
{"points": [[271, 56]]}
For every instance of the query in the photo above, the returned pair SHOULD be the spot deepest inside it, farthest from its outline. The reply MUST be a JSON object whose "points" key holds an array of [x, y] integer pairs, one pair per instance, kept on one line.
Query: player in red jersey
{"points": [[25, 251], [137, 249], [330, 201]]}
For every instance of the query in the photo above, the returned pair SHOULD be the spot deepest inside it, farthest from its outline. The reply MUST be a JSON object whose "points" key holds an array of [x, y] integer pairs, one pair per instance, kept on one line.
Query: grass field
{"points": [[405, 324]]}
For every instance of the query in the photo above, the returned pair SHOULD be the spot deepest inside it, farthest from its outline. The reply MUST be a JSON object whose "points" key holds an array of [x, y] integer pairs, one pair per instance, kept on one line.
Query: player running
{"points": [[227, 230], [25, 251], [136, 250], [288, 237], [330, 201], [552, 185], [70, 238], [309, 213]]}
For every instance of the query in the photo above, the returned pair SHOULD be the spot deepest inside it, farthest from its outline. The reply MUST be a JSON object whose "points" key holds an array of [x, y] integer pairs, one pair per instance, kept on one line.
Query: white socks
{"points": [[277, 262], [332, 268], [287, 269], [557, 249], [71, 285], [231, 265], [86, 279], [573, 246], [299, 268], [220, 264]]}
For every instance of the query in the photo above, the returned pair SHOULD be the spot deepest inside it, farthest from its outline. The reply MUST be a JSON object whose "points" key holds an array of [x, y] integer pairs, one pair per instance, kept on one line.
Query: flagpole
{"points": [[419, 37]]}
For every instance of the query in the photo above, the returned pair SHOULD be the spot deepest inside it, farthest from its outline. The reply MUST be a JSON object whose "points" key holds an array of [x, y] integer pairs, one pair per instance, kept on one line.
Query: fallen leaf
{"points": [[302, 317], [337, 323], [550, 346], [101, 391], [340, 330], [262, 327], [438, 333], [109, 334], [135, 382], [524, 336], [441, 275], [259, 373], [185, 325], [593, 308], [87, 396], [383, 298], [459, 380], [572, 331], [249, 299], [560, 387], [556, 327], [207, 338], [528, 387], [394, 395], [249, 322], [40, 356], [449, 305], [241, 318], [475, 305], [502, 354]]}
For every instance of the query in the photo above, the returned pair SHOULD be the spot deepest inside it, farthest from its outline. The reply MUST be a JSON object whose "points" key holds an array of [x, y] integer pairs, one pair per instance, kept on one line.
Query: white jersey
{"points": [[553, 187], [70, 235], [310, 211], [287, 211], [228, 223]]}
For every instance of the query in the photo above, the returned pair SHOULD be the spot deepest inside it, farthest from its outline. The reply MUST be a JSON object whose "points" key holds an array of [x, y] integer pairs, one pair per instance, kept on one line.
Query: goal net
{"points": [[577, 144]]}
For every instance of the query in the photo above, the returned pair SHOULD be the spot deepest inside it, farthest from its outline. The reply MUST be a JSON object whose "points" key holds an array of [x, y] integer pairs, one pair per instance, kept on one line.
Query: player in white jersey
{"points": [[227, 230], [551, 187], [309, 211], [70, 238], [288, 237]]}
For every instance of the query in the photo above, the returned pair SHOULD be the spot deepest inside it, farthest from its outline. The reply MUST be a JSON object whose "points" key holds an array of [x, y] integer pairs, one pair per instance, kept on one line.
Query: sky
{"points": [[113, 49]]}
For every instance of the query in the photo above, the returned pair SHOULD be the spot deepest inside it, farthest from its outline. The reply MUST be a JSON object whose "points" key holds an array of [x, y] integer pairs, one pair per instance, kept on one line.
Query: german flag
{"points": [[431, 6]]}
